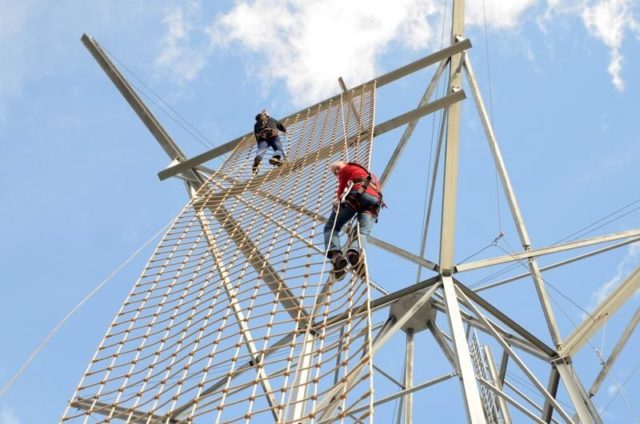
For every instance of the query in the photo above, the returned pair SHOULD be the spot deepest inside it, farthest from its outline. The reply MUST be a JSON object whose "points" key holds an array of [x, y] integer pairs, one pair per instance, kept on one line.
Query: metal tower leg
{"points": [[408, 378]]}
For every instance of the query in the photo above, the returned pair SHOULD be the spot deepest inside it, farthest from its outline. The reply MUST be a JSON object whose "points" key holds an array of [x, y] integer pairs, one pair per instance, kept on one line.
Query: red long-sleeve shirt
{"points": [[353, 172]]}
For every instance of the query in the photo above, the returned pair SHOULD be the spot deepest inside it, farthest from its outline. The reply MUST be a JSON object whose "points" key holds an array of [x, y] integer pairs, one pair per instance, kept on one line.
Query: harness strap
{"points": [[268, 133]]}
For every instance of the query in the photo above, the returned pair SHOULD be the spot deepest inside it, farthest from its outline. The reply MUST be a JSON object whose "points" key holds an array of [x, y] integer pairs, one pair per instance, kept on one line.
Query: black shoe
{"points": [[353, 256], [256, 164], [339, 265], [276, 161]]}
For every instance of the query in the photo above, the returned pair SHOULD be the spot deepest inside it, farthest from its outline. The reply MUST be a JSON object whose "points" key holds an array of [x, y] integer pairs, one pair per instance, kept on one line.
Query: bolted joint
{"points": [[446, 272]]}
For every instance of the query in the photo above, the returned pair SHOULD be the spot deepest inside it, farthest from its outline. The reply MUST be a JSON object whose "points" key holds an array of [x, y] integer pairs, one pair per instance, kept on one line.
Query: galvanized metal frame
{"points": [[455, 296]]}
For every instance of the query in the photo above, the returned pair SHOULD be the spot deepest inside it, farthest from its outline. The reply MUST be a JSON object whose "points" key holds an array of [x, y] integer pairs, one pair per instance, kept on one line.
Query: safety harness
{"points": [[353, 197], [267, 133]]}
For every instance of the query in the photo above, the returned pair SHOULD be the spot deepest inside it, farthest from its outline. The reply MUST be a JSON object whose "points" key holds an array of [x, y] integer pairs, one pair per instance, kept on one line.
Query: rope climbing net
{"points": [[235, 316]]}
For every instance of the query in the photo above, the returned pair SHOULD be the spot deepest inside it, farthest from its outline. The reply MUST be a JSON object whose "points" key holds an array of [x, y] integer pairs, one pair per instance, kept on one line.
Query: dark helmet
{"points": [[262, 114]]}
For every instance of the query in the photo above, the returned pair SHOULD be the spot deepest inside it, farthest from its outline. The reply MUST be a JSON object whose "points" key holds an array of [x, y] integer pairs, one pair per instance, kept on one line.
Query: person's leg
{"points": [[262, 147], [365, 225], [333, 226], [277, 147], [278, 151]]}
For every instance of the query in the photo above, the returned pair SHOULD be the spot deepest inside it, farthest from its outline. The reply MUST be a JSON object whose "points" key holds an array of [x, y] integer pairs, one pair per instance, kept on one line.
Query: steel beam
{"points": [[603, 311], [557, 264], [585, 409], [606, 367], [513, 340], [408, 131], [380, 81], [118, 412], [541, 290], [505, 319], [533, 253], [241, 319], [504, 396], [408, 377], [502, 405], [383, 300], [330, 395], [468, 382], [402, 393], [516, 358], [260, 263], [554, 382], [444, 344], [138, 106]]}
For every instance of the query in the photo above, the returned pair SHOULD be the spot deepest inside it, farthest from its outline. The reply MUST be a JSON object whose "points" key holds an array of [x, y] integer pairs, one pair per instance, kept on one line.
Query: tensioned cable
{"points": [[194, 132], [78, 306], [621, 388], [578, 234], [583, 231], [175, 344], [491, 114], [344, 126], [521, 263], [428, 197], [562, 310]]}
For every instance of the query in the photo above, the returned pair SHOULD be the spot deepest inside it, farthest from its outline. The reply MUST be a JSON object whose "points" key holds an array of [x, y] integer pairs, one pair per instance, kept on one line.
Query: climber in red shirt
{"points": [[358, 195]]}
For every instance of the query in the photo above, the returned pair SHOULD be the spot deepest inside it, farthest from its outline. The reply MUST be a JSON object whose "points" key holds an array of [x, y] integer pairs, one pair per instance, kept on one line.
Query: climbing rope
{"points": [[72, 312], [233, 318]]}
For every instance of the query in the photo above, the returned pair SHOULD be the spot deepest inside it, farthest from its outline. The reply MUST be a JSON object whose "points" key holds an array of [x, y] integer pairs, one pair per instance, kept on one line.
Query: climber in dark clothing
{"points": [[266, 130]]}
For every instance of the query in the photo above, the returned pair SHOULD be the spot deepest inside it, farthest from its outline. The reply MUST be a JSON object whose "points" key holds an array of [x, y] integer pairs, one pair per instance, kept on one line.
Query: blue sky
{"points": [[79, 192]]}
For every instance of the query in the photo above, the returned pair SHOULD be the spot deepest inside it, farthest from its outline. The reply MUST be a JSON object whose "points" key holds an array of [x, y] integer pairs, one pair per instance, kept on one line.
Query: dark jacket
{"points": [[267, 130]]}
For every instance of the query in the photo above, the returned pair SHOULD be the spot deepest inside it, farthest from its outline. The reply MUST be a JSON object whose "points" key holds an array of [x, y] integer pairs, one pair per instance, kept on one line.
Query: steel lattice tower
{"points": [[235, 317]]}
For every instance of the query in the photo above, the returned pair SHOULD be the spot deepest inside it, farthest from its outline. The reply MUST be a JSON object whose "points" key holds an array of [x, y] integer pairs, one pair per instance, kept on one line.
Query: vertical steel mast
{"points": [[467, 376], [239, 261]]}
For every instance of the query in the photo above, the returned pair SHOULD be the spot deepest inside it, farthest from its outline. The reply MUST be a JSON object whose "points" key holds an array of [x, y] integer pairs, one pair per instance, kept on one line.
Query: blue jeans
{"points": [[345, 213], [274, 143]]}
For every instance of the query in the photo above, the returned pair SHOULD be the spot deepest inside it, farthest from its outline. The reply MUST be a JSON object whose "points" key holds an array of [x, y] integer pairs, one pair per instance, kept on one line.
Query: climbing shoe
{"points": [[353, 256], [276, 161], [339, 265], [256, 164]]}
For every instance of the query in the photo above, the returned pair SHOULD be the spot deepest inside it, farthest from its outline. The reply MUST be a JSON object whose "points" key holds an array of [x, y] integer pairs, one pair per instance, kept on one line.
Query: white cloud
{"points": [[608, 21], [178, 55], [498, 13], [309, 44], [13, 41], [628, 263], [7, 416]]}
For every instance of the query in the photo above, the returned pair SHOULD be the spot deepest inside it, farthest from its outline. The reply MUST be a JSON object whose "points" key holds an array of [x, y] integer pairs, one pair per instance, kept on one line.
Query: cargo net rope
{"points": [[236, 317]]}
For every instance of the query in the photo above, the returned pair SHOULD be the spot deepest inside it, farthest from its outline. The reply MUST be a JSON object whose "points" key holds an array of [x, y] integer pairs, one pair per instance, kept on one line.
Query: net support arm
{"points": [[598, 317], [606, 367], [516, 213], [118, 412], [262, 266], [313, 156], [240, 316], [547, 250], [380, 81], [148, 119]]}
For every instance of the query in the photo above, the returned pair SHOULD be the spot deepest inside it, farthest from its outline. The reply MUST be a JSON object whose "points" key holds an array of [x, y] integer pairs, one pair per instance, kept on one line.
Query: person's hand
{"points": [[336, 205]]}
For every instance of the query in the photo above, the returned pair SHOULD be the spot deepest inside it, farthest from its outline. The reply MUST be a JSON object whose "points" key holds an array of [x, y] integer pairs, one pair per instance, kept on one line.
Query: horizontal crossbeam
{"points": [[118, 412], [380, 81], [545, 251]]}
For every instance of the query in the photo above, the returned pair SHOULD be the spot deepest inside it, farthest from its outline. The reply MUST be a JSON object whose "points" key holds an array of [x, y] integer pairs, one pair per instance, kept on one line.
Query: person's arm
{"points": [[281, 127], [342, 183], [255, 131]]}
